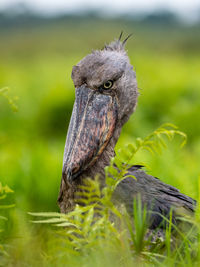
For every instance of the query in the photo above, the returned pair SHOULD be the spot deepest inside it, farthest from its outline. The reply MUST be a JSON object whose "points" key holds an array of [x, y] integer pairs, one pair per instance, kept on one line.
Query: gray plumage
{"points": [[158, 197], [106, 96]]}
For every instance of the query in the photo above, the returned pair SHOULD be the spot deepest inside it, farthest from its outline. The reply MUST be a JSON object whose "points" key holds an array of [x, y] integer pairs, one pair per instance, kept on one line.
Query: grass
{"points": [[36, 65]]}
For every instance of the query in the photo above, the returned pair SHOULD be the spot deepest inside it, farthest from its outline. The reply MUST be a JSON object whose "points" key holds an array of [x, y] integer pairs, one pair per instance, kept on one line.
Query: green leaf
{"points": [[65, 224], [3, 218], [7, 189], [132, 148], [118, 162], [46, 214], [113, 171], [7, 206], [52, 220]]}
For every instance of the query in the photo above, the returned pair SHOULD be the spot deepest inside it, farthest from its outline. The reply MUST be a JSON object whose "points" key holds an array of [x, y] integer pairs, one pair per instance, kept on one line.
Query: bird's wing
{"points": [[158, 197]]}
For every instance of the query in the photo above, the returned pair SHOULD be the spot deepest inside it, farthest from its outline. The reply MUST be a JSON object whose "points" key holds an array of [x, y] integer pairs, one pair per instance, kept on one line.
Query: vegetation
{"points": [[34, 63], [4, 190]]}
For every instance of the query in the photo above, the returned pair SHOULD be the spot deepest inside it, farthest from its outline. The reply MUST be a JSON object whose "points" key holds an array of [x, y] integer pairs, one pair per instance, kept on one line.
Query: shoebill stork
{"points": [[106, 96]]}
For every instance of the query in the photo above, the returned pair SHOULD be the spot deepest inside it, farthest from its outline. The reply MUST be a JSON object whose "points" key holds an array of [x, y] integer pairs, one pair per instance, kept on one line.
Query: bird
{"points": [[106, 94]]}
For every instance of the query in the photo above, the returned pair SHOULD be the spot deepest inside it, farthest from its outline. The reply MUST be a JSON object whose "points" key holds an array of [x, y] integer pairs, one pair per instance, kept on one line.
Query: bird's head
{"points": [[106, 95]]}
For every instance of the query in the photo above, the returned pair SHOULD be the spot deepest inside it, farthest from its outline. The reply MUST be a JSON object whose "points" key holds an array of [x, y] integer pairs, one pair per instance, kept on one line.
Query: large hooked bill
{"points": [[91, 126]]}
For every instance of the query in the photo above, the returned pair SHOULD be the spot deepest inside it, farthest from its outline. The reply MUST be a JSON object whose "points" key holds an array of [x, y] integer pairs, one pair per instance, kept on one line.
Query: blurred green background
{"points": [[36, 57]]}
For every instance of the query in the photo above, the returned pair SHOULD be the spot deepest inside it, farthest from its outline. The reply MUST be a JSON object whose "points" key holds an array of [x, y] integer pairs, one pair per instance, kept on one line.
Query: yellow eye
{"points": [[107, 85]]}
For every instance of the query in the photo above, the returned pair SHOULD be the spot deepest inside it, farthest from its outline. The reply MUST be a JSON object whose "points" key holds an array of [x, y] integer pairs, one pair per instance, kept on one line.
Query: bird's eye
{"points": [[107, 85]]}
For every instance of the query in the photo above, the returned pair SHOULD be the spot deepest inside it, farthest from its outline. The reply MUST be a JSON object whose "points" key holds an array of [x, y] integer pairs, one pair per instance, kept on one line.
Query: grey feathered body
{"points": [[97, 119], [158, 197]]}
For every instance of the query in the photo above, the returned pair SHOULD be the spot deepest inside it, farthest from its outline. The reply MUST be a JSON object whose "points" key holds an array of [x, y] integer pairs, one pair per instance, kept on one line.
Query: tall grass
{"points": [[98, 224], [36, 64]]}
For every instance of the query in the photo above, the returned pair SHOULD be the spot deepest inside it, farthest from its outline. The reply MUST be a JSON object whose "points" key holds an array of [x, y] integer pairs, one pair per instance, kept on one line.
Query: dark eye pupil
{"points": [[108, 84]]}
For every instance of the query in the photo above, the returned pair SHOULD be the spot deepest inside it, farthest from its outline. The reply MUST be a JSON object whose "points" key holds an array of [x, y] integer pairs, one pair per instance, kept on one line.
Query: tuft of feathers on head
{"points": [[117, 45]]}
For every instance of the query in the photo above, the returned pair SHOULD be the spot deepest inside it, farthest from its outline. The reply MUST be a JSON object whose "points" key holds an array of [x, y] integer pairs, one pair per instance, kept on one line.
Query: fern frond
{"points": [[90, 222]]}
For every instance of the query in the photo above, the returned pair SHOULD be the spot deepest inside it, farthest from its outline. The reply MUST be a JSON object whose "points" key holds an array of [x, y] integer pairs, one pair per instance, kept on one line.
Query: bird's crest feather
{"points": [[118, 45]]}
